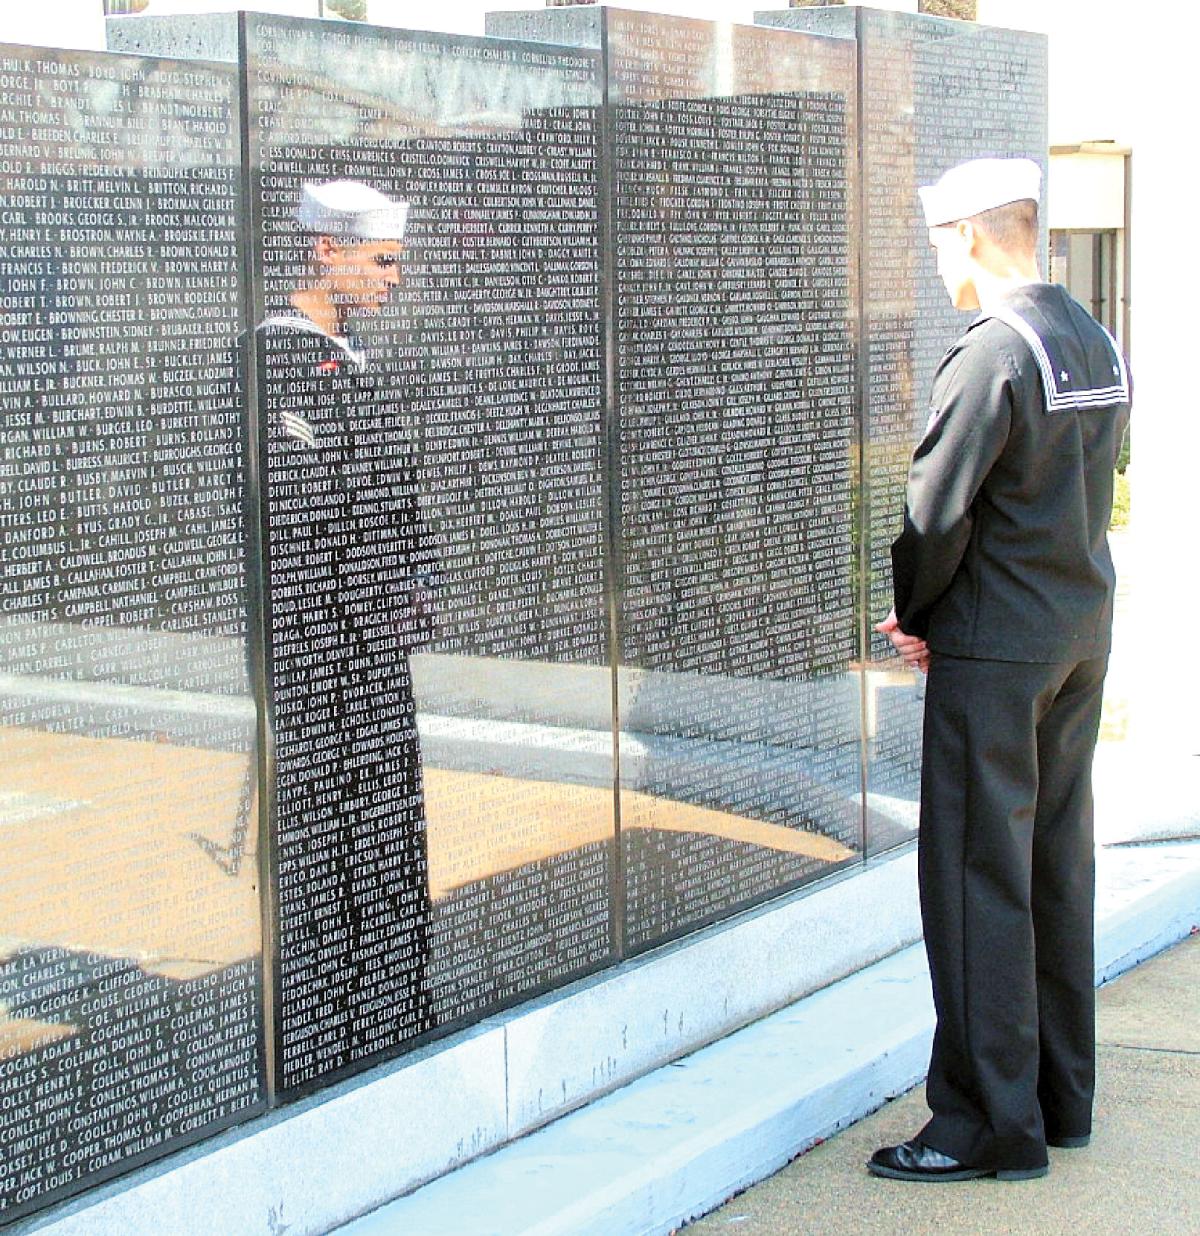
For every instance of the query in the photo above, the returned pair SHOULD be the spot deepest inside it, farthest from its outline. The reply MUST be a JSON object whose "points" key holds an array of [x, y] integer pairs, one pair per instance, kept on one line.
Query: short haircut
{"points": [[1014, 227]]}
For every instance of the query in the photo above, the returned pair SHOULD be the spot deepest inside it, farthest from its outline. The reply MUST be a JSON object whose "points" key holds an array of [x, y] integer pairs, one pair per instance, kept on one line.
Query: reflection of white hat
{"points": [[982, 184], [350, 208]]}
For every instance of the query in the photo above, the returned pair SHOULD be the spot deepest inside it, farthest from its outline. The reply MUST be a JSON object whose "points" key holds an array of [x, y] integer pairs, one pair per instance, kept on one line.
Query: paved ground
{"points": [[1140, 1175]]}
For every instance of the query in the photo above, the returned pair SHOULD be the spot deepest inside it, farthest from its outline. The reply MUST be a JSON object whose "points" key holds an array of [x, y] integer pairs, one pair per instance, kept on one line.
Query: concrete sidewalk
{"points": [[678, 1142], [1141, 1173]]}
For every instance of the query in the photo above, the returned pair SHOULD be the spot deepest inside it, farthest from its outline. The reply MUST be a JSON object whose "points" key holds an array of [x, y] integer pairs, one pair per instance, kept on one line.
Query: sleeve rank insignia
{"points": [[295, 426]]}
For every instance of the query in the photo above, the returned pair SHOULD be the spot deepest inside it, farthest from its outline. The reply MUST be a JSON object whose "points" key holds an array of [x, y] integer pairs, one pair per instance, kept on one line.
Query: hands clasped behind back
{"points": [[911, 648]]}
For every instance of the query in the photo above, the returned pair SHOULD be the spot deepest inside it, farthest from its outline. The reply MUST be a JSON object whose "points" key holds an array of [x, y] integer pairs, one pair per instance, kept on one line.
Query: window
{"points": [[1085, 263]]}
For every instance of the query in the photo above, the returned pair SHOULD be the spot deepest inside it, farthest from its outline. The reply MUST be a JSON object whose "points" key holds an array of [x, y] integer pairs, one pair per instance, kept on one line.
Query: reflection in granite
{"points": [[112, 1061], [494, 515], [130, 1010], [934, 93], [481, 544], [732, 190]]}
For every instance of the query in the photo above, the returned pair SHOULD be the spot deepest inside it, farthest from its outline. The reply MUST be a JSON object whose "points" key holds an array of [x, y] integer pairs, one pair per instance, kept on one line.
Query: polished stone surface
{"points": [[130, 954], [460, 522], [731, 173]]}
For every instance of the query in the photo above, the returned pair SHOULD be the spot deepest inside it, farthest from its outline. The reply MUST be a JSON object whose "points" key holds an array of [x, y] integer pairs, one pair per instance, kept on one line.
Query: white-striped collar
{"points": [[1059, 395]]}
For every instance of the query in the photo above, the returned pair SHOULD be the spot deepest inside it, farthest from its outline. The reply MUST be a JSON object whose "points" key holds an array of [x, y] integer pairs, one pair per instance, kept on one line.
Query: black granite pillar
{"points": [[432, 535], [130, 936], [730, 164]]}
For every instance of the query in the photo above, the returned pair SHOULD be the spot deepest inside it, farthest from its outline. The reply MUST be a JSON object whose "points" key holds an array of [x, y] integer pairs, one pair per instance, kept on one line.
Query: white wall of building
{"points": [[1087, 191], [77, 24]]}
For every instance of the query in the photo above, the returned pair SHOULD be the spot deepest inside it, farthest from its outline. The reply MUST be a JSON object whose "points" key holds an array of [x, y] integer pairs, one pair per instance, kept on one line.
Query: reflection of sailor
{"points": [[345, 599], [1004, 591]]}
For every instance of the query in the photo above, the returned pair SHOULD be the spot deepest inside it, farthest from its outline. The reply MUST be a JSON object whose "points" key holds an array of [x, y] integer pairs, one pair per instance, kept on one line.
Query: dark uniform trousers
{"points": [[1007, 876]]}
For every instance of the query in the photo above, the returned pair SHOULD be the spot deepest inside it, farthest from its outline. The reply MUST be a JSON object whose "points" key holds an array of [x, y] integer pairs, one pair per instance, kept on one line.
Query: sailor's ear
{"points": [[972, 236]]}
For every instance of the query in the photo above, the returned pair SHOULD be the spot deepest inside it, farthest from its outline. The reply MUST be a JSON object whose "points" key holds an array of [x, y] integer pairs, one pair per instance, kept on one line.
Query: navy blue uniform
{"points": [[1003, 567]]}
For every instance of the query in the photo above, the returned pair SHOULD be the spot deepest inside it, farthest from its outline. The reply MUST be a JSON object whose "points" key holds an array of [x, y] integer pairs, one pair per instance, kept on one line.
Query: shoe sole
{"points": [[1069, 1143], [965, 1173]]}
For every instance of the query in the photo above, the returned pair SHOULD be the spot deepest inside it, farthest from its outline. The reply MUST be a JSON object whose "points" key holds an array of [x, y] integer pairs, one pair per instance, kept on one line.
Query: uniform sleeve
{"points": [[970, 420]]}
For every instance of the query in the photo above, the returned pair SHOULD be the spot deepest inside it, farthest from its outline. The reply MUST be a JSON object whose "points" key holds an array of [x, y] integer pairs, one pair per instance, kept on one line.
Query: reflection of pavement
{"points": [[101, 852], [784, 751], [725, 778], [579, 697], [19, 1035], [682, 818], [481, 825], [99, 856]]}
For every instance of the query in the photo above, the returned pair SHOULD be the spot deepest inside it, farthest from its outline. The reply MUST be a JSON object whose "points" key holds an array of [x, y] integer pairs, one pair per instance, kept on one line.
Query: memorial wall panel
{"points": [[130, 936], [934, 92], [730, 164], [732, 153], [433, 530]]}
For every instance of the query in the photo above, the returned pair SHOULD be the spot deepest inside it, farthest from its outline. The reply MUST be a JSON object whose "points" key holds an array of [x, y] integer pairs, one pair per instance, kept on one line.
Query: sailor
{"points": [[345, 591], [1004, 588]]}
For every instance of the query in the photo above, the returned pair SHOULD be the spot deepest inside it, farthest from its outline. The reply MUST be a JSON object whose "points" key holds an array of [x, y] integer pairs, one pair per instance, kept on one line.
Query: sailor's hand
{"points": [[911, 648]]}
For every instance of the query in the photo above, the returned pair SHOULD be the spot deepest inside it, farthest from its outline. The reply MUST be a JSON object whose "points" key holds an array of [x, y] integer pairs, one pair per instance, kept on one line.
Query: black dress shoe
{"points": [[1068, 1143], [913, 1161]]}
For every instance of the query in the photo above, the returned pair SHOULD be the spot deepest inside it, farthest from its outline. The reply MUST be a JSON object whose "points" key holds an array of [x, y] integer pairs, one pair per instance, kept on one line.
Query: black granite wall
{"points": [[130, 944], [731, 189], [535, 602], [934, 92], [441, 534]]}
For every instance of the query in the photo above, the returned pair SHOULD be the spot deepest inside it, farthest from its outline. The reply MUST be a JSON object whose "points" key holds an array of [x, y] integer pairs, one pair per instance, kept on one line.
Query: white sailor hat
{"points": [[979, 185], [351, 208]]}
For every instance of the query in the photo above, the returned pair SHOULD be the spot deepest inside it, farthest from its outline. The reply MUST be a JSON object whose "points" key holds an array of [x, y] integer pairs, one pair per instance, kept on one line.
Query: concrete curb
{"points": [[1133, 931], [675, 1143]]}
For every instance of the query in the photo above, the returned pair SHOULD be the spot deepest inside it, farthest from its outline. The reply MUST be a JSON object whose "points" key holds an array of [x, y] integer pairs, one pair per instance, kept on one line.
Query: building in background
{"points": [[1091, 126], [1089, 228]]}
